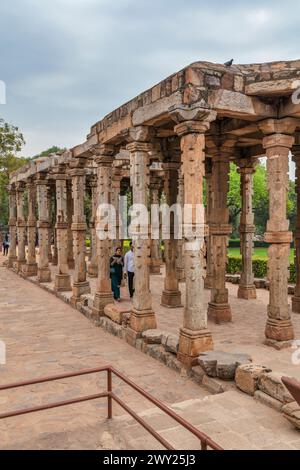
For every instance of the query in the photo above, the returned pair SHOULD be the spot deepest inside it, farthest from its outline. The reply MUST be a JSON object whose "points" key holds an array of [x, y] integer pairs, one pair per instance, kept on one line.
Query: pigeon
{"points": [[229, 63]]}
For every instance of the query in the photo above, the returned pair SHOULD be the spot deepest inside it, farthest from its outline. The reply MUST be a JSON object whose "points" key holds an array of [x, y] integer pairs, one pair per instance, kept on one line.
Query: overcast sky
{"points": [[67, 63]]}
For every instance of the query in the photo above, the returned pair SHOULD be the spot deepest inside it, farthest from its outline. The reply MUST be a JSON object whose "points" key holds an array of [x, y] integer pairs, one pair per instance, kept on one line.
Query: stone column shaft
{"points": [[180, 245], [71, 262], [142, 316], [103, 295], [12, 254], [247, 288], [219, 230], [194, 336], [171, 296], [62, 278], [155, 259], [31, 266], [208, 282], [296, 297], [44, 273], [21, 227], [80, 284], [93, 265], [279, 329]]}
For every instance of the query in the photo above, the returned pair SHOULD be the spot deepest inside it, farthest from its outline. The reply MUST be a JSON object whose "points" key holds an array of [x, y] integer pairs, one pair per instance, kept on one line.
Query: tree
{"points": [[11, 142], [48, 152]]}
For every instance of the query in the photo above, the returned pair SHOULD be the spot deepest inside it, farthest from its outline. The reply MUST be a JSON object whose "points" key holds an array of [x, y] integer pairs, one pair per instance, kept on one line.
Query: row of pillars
{"points": [[188, 189]]}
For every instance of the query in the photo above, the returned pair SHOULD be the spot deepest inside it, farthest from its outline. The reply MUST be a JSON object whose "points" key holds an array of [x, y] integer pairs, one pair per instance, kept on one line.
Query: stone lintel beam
{"points": [[286, 126], [273, 87]]}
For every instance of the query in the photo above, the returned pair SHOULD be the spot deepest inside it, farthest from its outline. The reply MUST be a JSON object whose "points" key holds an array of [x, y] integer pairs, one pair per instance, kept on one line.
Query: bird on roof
{"points": [[229, 63]]}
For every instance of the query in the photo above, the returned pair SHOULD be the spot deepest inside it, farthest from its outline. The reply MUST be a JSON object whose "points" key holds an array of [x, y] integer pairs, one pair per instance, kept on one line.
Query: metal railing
{"points": [[206, 442]]}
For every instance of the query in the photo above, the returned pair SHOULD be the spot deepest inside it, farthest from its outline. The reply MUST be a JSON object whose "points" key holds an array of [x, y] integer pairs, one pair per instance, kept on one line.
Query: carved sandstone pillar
{"points": [[279, 329], [142, 316], [80, 284], [247, 288], [180, 245], [194, 335], [93, 265], [51, 191], [62, 278], [171, 296], [296, 297], [44, 273], [103, 295], [208, 282], [31, 268], [12, 254], [21, 226], [219, 229], [71, 262], [155, 260]]}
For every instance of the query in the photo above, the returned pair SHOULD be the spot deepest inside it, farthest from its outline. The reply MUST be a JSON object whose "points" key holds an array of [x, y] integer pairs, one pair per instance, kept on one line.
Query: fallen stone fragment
{"points": [[271, 384], [247, 376], [267, 400], [152, 336], [222, 364], [115, 312], [170, 343], [291, 412]]}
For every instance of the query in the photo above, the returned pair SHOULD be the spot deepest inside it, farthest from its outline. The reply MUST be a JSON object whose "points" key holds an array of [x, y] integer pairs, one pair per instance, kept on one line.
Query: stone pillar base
{"points": [[180, 273], [208, 283], [30, 270], [171, 299], [71, 264], [155, 267], [142, 320], [247, 292], [279, 331], [20, 265], [132, 336], [11, 261], [54, 261], [79, 289], [100, 301], [191, 344], [221, 313], [44, 275], [296, 304], [62, 283], [92, 270]]}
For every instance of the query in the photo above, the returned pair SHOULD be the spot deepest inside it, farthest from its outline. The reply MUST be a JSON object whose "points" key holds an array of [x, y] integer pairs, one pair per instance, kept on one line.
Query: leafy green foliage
{"points": [[260, 267], [11, 142]]}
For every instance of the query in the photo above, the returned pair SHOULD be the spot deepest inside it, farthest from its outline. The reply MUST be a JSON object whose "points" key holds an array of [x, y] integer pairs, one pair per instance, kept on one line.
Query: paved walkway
{"points": [[45, 336]]}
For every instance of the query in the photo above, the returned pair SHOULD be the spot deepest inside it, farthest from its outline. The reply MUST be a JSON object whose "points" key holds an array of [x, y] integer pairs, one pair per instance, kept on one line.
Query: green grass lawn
{"points": [[257, 253]]}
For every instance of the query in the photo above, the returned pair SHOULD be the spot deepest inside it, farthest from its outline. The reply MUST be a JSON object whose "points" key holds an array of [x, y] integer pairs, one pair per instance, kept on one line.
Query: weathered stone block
{"points": [[247, 376], [153, 336], [115, 312], [267, 400], [197, 374], [291, 412], [170, 343], [212, 385], [221, 364], [271, 384]]}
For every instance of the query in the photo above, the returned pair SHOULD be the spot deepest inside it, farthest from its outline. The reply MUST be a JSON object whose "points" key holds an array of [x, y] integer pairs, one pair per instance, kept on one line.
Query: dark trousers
{"points": [[115, 286], [5, 250], [130, 283]]}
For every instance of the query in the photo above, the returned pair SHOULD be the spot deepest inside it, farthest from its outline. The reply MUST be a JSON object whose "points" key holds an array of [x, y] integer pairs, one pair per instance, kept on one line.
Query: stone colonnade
{"points": [[200, 264]]}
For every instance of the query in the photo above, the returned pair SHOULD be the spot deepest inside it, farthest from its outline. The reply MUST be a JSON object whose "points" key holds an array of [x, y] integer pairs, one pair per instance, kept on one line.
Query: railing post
{"points": [[109, 391], [203, 445]]}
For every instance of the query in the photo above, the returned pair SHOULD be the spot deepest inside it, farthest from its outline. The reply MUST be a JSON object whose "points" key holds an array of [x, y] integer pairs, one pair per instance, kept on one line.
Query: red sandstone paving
{"points": [[45, 336]]}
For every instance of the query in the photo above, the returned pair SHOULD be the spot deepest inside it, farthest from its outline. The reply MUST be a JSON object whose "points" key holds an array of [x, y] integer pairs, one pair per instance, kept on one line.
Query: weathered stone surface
{"points": [[291, 412], [212, 385], [221, 364], [271, 384], [197, 374], [153, 336], [247, 376], [170, 343], [115, 312], [267, 400]]}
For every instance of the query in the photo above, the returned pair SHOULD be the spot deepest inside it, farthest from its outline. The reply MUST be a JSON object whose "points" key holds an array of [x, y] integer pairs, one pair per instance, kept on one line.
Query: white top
{"points": [[129, 262]]}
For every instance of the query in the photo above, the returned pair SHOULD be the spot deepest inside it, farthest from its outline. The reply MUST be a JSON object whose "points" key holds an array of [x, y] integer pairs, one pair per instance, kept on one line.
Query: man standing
{"points": [[129, 269]]}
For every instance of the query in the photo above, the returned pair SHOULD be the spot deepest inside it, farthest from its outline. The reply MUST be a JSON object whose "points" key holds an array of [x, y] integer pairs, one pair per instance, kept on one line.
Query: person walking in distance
{"points": [[116, 272], [129, 269]]}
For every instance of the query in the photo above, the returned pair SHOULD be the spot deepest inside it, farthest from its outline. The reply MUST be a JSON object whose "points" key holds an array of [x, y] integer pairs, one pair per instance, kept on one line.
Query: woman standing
{"points": [[116, 272]]}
